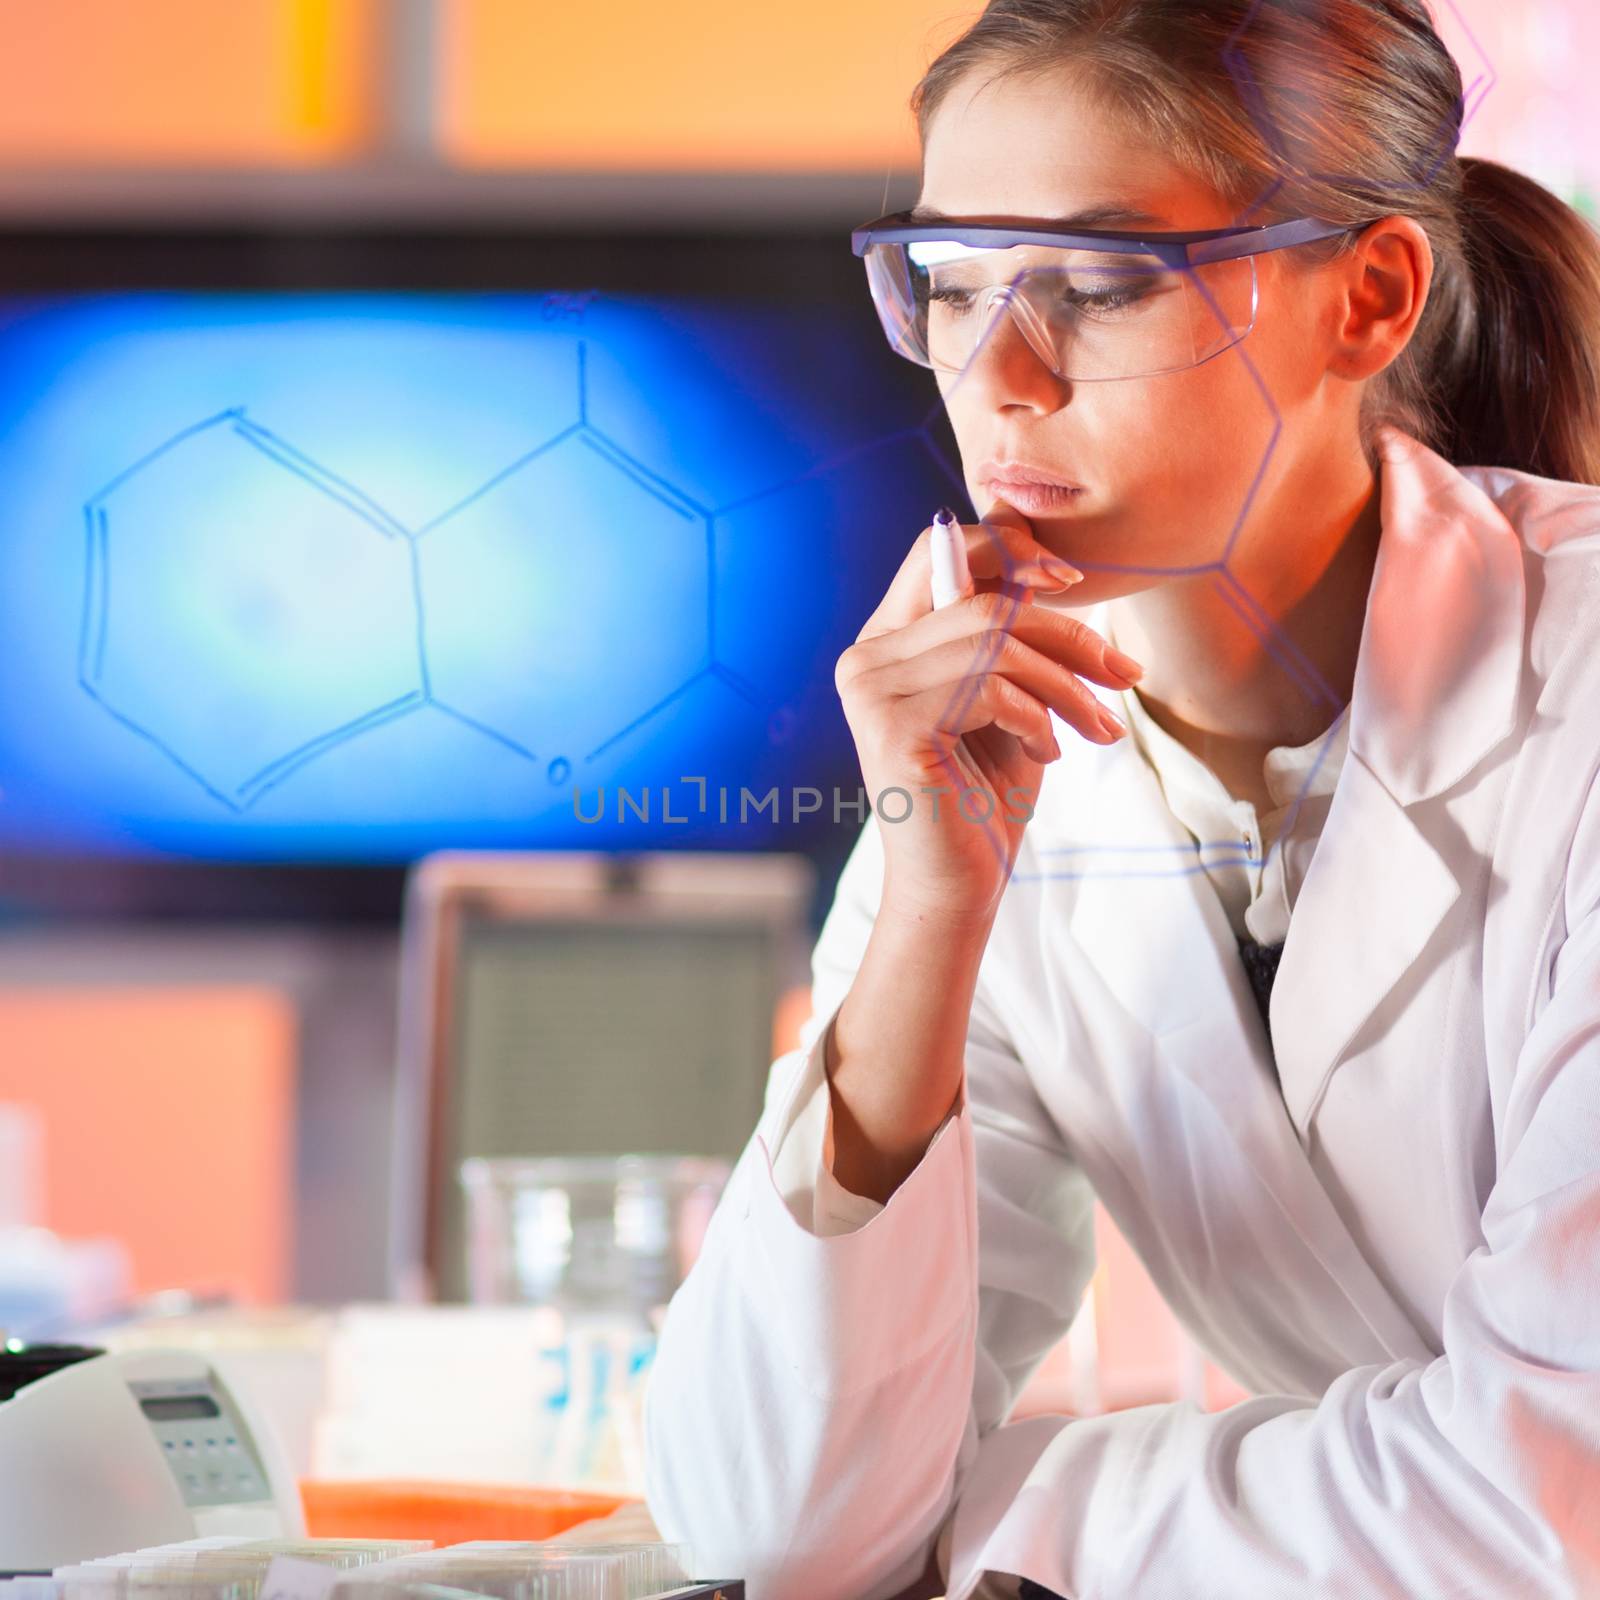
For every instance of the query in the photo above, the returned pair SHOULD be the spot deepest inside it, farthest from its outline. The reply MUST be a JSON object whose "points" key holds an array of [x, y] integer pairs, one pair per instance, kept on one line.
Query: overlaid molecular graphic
{"points": [[1182, 856]]}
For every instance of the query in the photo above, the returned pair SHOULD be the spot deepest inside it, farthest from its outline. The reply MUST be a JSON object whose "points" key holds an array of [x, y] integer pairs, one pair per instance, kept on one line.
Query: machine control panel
{"points": [[209, 1450]]}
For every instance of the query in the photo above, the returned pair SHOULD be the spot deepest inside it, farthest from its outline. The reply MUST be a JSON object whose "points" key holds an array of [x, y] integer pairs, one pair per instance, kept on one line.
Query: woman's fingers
{"points": [[983, 702], [1000, 548], [950, 668], [967, 690], [1063, 638]]}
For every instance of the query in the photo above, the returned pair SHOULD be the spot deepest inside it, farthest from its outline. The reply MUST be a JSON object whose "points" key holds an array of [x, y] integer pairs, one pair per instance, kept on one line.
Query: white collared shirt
{"points": [[1256, 882]]}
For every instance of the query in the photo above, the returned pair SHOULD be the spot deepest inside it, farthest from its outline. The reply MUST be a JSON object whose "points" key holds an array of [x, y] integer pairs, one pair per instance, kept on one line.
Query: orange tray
{"points": [[447, 1513]]}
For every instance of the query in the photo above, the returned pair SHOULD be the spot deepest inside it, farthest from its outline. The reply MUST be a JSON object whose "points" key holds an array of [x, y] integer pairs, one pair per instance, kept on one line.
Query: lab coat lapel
{"points": [[1436, 688], [1148, 921], [1373, 894]]}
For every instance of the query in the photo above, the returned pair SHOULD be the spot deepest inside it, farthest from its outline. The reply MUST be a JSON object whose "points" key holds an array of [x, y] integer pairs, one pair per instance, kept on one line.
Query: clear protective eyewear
{"points": [[1093, 304]]}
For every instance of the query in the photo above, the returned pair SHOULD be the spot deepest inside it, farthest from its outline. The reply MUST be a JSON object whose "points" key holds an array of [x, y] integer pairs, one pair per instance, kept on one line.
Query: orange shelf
{"points": [[447, 1513]]}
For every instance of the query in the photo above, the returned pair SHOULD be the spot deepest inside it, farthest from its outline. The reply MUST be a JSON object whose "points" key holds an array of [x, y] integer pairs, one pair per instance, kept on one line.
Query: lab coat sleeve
{"points": [[815, 1390], [802, 1163], [1474, 1474]]}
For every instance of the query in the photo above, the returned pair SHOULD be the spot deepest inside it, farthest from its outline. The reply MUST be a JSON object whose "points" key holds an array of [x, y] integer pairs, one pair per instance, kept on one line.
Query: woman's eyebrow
{"points": [[1090, 217]]}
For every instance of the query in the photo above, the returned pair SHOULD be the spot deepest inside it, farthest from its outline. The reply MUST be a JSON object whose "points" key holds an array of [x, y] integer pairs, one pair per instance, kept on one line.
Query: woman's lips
{"points": [[1035, 499]]}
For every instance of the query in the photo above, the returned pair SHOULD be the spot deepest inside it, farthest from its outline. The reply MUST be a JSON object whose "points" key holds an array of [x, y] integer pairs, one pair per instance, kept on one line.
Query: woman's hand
{"points": [[956, 700]]}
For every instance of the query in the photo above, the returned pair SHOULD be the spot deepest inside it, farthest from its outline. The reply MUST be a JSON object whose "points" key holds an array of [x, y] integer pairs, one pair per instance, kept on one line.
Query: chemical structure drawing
{"points": [[206, 627], [148, 641]]}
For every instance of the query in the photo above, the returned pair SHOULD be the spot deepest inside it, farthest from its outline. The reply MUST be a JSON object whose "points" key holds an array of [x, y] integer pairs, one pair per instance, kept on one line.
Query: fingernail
{"points": [[1064, 571], [1112, 723], [1125, 665]]}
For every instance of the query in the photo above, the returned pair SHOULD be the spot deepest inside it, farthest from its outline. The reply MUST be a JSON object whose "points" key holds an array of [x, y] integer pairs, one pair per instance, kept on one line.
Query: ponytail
{"points": [[1519, 382]]}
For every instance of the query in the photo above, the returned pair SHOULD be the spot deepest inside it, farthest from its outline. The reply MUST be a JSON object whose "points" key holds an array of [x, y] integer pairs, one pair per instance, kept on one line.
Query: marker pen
{"points": [[949, 551]]}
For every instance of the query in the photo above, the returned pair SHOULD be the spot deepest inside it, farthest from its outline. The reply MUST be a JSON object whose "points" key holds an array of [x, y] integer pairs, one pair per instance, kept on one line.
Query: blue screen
{"points": [[349, 576]]}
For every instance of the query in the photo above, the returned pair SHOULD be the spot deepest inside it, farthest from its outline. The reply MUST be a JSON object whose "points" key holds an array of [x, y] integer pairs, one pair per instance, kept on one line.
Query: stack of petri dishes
{"points": [[373, 1569], [549, 1570], [217, 1568]]}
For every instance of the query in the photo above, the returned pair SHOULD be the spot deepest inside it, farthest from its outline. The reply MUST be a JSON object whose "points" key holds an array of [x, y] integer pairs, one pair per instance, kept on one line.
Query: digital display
{"points": [[352, 575], [180, 1407]]}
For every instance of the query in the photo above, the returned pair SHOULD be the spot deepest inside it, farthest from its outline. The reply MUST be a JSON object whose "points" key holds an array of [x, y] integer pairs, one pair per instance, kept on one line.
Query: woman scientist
{"points": [[1364, 738]]}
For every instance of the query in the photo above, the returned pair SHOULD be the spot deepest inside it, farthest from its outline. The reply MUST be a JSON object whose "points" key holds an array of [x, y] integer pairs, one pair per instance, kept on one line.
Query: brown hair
{"points": [[1350, 110]]}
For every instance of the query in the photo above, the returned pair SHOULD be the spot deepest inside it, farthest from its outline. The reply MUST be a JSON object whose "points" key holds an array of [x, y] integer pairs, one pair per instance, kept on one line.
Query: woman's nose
{"points": [[1006, 365]]}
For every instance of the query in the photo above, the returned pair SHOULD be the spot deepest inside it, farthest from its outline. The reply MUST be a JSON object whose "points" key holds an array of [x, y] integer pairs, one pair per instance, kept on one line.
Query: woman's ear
{"points": [[1386, 277]]}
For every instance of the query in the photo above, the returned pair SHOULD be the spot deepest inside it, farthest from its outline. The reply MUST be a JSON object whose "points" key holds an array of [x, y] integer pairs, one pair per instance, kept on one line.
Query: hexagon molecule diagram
{"points": [[244, 609], [567, 600]]}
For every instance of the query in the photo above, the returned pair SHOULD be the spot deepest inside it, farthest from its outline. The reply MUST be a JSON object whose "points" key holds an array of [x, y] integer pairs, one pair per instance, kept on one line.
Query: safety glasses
{"points": [[1093, 304]]}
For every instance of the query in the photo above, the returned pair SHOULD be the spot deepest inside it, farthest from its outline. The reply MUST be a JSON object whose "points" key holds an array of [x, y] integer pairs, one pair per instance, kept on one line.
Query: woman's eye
{"points": [[1103, 300], [1111, 297]]}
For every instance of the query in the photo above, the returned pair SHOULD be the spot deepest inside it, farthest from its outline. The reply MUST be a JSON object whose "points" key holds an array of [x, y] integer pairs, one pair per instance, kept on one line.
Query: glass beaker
{"points": [[586, 1233], [603, 1242]]}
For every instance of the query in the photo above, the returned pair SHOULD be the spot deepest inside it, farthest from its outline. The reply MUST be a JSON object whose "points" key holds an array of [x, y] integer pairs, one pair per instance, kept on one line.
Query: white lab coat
{"points": [[1399, 1253]]}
